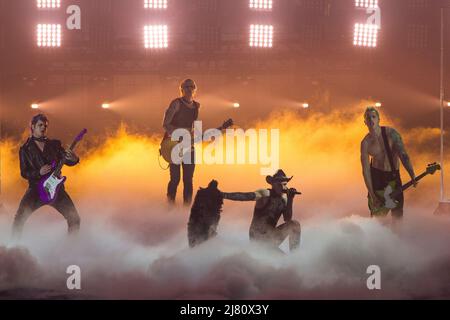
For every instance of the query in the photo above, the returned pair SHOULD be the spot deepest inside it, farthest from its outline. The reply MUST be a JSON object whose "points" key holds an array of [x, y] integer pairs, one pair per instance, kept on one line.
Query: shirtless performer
{"points": [[270, 205], [376, 165]]}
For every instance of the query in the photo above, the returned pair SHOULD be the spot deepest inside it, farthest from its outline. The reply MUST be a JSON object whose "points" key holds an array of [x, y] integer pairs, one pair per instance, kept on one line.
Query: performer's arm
{"points": [[25, 169], [287, 214], [366, 168], [289, 198], [168, 117], [403, 155], [244, 196], [70, 158], [239, 196]]}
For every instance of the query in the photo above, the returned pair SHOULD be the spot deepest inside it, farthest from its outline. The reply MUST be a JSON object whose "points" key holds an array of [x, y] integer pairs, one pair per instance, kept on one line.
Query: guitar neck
{"points": [[206, 136], [61, 162], [409, 184], [73, 145]]}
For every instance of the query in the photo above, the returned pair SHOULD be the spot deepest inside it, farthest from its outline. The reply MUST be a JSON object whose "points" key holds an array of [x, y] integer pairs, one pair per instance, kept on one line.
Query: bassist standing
{"points": [[36, 157], [381, 150]]}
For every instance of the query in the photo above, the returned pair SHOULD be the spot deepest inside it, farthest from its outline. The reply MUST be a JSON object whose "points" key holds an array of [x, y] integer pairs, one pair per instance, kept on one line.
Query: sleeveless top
{"points": [[185, 116]]}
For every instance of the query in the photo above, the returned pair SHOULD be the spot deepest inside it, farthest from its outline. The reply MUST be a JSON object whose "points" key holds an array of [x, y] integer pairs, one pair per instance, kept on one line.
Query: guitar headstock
{"points": [[433, 167], [227, 124], [81, 135]]}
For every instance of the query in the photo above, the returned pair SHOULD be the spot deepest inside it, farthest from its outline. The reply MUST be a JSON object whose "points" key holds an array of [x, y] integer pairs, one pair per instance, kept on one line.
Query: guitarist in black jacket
{"points": [[381, 150], [36, 156]]}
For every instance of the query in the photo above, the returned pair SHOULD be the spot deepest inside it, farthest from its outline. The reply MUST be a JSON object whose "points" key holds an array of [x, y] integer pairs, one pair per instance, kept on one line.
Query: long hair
{"points": [[205, 214]]}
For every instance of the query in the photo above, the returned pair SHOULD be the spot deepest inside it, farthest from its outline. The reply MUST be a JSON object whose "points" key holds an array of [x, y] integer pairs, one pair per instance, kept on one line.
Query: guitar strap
{"points": [[388, 150]]}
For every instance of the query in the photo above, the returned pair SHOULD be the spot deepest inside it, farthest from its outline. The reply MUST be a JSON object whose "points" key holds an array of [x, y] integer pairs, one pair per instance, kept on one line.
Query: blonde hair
{"points": [[369, 110], [184, 83]]}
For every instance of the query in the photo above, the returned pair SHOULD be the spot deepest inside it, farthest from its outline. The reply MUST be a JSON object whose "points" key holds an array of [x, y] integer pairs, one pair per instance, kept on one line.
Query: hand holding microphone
{"points": [[291, 192]]}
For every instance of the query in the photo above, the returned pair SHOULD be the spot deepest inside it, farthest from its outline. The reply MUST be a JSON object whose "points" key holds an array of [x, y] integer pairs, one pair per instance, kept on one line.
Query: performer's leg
{"points": [[29, 203], [64, 204], [291, 229], [379, 182], [188, 186], [174, 181], [397, 213]]}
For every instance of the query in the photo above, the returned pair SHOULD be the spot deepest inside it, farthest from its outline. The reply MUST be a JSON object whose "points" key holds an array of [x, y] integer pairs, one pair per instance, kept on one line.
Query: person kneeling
{"points": [[270, 205]]}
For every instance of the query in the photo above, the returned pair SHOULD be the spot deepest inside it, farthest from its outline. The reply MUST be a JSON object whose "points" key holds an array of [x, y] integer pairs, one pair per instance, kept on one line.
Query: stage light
{"points": [[447, 104], [261, 36], [155, 4], [366, 35], [366, 3], [35, 106], [105, 105], [236, 105], [49, 35], [378, 105], [305, 105], [261, 4], [48, 4], [155, 36]]}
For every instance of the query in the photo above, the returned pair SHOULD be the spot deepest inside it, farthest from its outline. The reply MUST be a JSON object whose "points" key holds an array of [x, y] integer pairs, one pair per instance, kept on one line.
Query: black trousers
{"points": [[31, 202], [175, 175], [380, 180]]}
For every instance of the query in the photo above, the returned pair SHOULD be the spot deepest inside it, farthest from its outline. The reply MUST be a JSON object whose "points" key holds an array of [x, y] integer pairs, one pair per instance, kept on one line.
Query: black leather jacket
{"points": [[32, 159]]}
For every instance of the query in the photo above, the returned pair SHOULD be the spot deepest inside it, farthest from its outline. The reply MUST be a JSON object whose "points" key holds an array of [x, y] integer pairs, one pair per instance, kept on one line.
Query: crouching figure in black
{"points": [[205, 214]]}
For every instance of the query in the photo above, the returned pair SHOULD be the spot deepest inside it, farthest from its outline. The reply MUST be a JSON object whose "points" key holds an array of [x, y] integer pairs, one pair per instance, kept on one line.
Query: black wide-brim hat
{"points": [[279, 176]]}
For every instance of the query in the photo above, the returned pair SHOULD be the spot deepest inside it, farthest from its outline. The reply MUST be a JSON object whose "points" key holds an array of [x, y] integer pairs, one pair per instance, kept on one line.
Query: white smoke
{"points": [[118, 260]]}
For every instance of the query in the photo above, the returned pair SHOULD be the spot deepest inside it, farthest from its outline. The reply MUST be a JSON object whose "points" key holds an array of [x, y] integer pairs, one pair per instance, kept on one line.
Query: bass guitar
{"points": [[388, 194]]}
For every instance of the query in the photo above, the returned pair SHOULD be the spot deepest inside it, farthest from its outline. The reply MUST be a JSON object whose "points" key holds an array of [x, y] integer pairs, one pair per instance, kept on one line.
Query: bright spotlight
{"points": [[155, 4], [155, 36], [447, 104], [305, 105], [378, 104], [35, 106], [236, 105], [48, 4], [49, 35], [261, 4], [261, 36], [366, 3], [366, 35], [105, 105]]}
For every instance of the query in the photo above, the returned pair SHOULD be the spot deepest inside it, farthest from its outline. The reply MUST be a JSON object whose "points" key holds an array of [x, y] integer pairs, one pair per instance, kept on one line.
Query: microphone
{"points": [[286, 191]]}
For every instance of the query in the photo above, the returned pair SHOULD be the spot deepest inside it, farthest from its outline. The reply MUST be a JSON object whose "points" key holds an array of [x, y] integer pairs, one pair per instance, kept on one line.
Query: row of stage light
{"points": [[235, 105], [157, 36], [107, 105], [159, 4]]}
